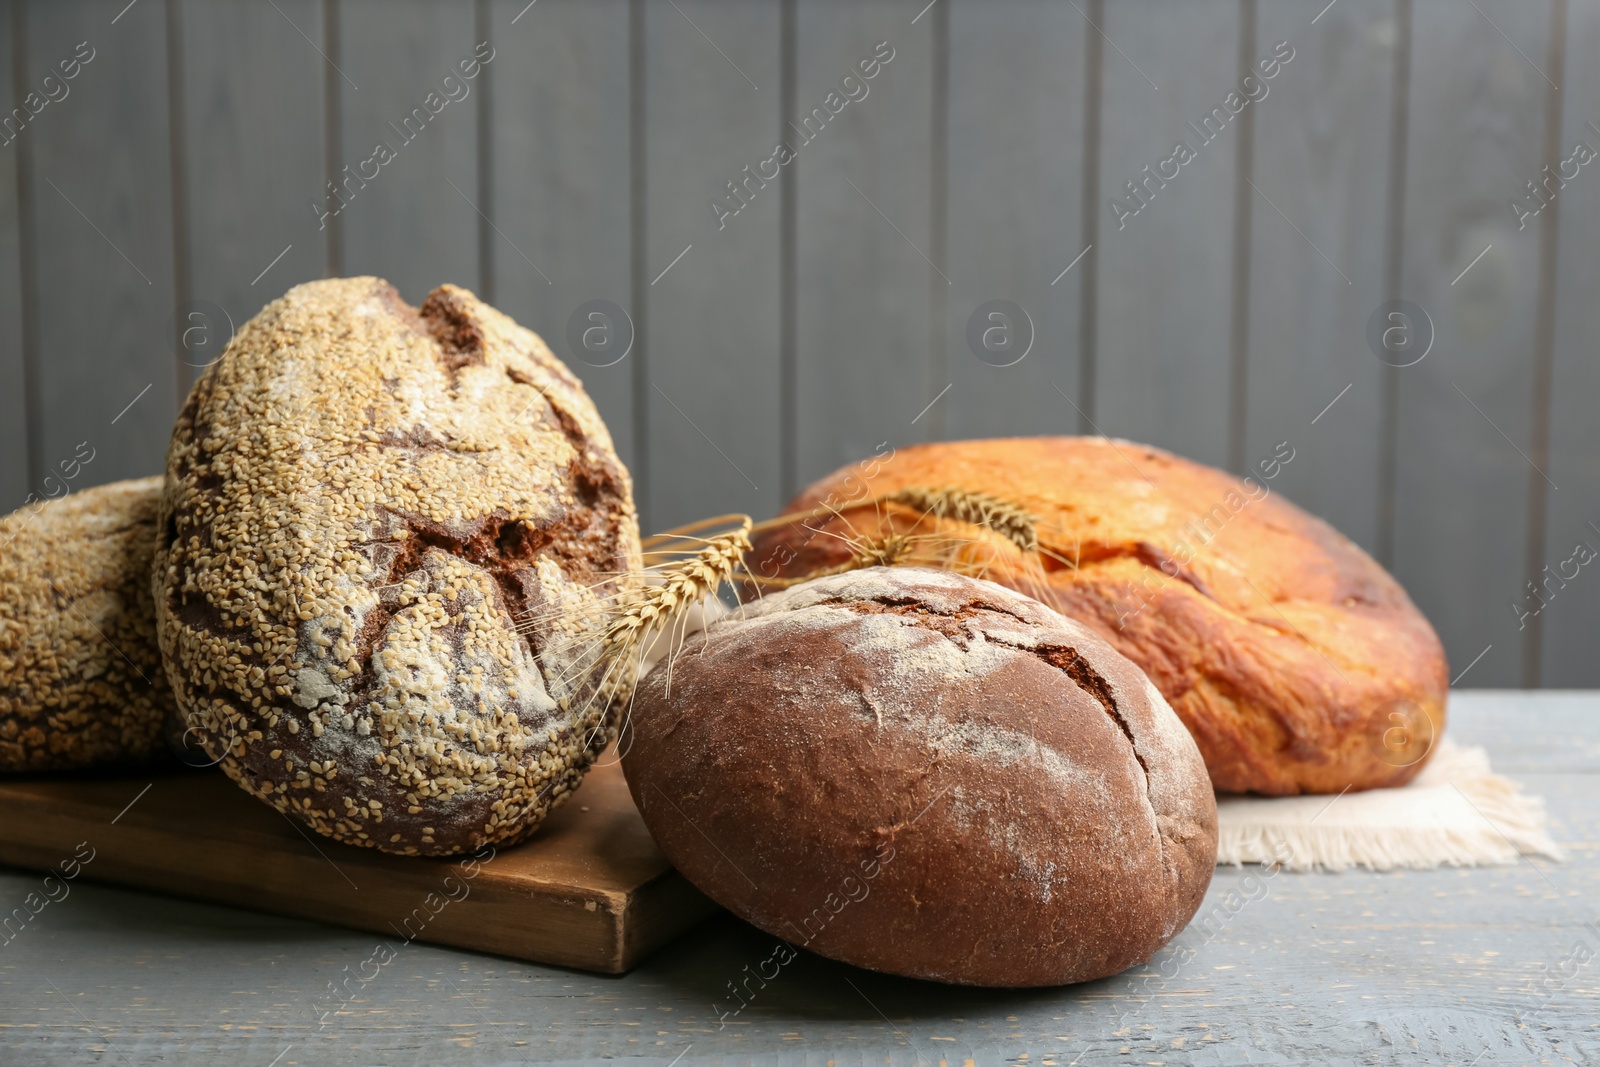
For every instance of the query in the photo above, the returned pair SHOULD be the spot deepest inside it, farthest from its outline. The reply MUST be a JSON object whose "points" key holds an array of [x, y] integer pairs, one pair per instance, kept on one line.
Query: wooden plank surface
{"points": [[103, 265], [1442, 966], [252, 134], [1465, 412], [1322, 148], [711, 109], [561, 179], [865, 261], [416, 223], [13, 373], [1163, 359], [590, 890], [1573, 613], [1015, 160], [14, 477]]}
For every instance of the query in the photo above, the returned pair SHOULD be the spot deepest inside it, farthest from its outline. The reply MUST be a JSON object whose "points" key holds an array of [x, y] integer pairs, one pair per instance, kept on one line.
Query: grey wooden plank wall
{"points": [[784, 325]]}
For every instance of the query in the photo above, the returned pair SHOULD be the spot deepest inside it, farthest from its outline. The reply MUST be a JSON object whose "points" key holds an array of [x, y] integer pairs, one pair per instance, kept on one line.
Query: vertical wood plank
{"points": [[1015, 183], [1165, 294], [561, 176], [13, 374], [416, 223], [1477, 119], [713, 335], [1089, 211], [863, 234], [1321, 152], [252, 139], [103, 267], [1572, 616]]}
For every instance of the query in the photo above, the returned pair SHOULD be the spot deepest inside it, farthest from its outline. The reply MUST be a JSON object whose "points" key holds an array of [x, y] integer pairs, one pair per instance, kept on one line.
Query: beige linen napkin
{"points": [[1456, 811]]}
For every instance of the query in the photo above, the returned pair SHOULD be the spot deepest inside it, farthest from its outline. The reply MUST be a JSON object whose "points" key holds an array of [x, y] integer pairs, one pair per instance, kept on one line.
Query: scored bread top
{"points": [[80, 675], [388, 534], [915, 619], [1283, 647]]}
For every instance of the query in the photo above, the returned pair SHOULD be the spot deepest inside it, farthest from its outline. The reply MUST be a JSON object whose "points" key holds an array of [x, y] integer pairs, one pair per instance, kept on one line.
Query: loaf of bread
{"points": [[80, 675], [1295, 660], [927, 774], [388, 540]]}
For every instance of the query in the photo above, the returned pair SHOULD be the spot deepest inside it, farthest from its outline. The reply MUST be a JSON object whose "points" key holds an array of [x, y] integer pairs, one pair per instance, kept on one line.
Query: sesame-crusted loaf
{"points": [[80, 675], [1297, 662], [926, 774], [388, 539]]}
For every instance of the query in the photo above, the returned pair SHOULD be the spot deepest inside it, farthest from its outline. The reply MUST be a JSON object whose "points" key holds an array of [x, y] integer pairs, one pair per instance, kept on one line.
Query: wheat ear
{"points": [[639, 613], [887, 551], [1011, 521], [682, 585]]}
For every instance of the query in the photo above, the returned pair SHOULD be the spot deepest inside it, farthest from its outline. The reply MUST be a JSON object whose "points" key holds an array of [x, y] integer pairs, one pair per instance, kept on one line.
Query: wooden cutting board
{"points": [[590, 890]]}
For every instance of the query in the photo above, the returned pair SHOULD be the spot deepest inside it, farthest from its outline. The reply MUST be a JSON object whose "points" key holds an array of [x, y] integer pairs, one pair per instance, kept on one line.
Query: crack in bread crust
{"points": [[1072, 663], [1065, 658]]}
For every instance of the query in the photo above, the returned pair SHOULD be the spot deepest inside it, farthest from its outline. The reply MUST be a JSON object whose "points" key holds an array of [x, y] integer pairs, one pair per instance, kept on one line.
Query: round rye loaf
{"points": [[1295, 660], [80, 675], [388, 535], [926, 774]]}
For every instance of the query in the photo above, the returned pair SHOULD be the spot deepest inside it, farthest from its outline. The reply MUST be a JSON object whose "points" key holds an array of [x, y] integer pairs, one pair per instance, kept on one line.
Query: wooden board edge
{"points": [[646, 926], [573, 926]]}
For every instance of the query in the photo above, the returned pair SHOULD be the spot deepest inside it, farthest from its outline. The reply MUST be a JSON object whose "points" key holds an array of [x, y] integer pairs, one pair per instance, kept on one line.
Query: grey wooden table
{"points": [[1484, 966]]}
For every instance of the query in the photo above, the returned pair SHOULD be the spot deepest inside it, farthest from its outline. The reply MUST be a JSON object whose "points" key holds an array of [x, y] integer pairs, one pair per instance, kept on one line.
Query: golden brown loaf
{"points": [[387, 539], [1296, 661], [80, 676], [926, 774]]}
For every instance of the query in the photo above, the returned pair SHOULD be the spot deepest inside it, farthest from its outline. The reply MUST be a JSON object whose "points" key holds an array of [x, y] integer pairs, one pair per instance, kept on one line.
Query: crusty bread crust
{"points": [[1288, 652], [80, 675], [926, 774], [387, 539]]}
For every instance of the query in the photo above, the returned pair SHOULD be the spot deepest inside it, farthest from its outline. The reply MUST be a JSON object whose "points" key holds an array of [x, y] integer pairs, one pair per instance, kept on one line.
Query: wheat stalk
{"points": [[683, 584], [1011, 521], [888, 551], [638, 613], [670, 587], [1008, 519]]}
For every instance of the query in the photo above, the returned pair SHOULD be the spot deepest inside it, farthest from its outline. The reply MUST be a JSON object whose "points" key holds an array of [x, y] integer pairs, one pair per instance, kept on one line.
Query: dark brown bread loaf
{"points": [[1297, 662], [80, 675], [926, 774], [388, 536]]}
